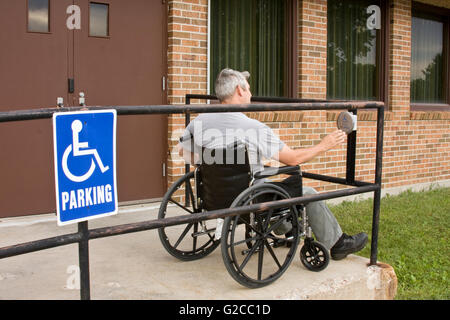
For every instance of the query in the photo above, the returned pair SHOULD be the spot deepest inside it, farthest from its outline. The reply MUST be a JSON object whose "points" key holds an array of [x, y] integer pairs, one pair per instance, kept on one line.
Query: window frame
{"points": [[291, 51], [107, 20], [443, 15], [382, 54], [27, 19]]}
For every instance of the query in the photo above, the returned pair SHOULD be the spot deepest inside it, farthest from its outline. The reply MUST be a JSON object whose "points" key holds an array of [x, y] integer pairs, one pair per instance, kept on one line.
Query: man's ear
{"points": [[239, 90]]}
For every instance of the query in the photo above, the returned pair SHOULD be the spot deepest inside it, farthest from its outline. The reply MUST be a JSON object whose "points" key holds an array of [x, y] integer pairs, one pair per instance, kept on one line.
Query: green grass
{"points": [[413, 239]]}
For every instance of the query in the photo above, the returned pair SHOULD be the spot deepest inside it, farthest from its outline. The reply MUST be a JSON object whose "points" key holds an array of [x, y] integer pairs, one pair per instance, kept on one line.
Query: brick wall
{"points": [[187, 65], [312, 49], [400, 58], [416, 144], [416, 148], [187, 56]]}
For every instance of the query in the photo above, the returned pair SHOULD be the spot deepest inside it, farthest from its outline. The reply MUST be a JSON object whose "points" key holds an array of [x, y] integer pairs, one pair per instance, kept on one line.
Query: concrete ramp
{"points": [[136, 266]]}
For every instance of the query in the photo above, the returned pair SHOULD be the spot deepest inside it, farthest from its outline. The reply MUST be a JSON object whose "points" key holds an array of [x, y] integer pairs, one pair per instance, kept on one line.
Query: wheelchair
{"points": [[257, 247]]}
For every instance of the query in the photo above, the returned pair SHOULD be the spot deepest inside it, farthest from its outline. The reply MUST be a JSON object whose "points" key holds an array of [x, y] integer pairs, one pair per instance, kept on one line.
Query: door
{"points": [[33, 73], [119, 59], [125, 67]]}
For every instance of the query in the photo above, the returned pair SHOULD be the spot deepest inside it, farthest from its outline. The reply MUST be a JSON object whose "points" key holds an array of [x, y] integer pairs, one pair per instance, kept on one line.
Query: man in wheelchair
{"points": [[218, 130]]}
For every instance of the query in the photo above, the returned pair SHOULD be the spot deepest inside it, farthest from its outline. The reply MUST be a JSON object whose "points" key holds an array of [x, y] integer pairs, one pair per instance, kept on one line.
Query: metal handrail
{"points": [[83, 235]]}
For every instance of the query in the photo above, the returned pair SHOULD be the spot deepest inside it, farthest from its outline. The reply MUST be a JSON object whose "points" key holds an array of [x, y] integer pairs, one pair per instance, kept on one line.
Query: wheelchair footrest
{"points": [[276, 243], [201, 233]]}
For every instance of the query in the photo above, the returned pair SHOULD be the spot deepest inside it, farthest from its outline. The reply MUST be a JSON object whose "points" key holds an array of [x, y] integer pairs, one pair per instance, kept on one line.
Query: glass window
{"points": [[251, 35], [352, 71], [38, 17], [427, 67], [98, 19]]}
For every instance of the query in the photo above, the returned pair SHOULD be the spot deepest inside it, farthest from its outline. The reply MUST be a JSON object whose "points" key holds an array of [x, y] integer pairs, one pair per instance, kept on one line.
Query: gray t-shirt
{"points": [[218, 130]]}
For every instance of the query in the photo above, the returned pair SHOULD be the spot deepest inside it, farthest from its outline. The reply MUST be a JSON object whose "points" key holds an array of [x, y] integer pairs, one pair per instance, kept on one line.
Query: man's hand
{"points": [[332, 140], [293, 157]]}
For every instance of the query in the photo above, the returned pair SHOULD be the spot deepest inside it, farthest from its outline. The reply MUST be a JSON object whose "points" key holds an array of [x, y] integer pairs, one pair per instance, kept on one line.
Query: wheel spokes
{"points": [[249, 255], [181, 206], [260, 259], [260, 242], [239, 250], [183, 234], [188, 241], [272, 253], [314, 256]]}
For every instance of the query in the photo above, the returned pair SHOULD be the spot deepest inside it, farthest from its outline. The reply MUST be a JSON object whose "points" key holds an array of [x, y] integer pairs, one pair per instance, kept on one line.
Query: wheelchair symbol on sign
{"points": [[76, 147]]}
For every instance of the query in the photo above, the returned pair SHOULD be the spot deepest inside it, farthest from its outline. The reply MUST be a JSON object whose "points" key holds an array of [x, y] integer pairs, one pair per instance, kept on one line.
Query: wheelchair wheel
{"points": [[314, 255], [248, 241], [185, 242]]}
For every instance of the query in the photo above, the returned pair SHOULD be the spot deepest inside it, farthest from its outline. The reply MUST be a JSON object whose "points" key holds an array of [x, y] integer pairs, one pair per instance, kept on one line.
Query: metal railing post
{"points": [[377, 193], [83, 257], [187, 167], [351, 155]]}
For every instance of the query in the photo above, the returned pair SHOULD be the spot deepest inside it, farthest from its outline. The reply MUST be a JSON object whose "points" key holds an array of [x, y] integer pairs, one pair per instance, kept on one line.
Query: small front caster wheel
{"points": [[314, 256]]}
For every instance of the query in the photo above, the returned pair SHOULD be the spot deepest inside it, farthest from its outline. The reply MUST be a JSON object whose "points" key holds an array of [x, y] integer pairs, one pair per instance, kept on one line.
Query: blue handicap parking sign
{"points": [[85, 165]]}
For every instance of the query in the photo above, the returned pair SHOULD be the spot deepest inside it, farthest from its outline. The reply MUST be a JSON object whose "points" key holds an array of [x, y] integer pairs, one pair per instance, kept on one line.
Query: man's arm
{"points": [[292, 157]]}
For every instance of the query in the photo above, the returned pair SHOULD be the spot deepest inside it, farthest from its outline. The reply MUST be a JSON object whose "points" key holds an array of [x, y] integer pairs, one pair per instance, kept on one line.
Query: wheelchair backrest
{"points": [[223, 174]]}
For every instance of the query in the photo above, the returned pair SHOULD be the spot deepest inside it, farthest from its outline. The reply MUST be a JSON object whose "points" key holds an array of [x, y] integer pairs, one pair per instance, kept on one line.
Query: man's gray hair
{"points": [[228, 80]]}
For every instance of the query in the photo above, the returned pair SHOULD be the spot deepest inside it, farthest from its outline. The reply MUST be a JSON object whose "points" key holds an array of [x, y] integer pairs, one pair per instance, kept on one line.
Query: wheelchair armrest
{"points": [[273, 171]]}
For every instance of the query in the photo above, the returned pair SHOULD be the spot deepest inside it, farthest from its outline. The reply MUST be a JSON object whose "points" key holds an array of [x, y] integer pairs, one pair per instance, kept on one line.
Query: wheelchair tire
{"points": [[314, 256], [185, 242], [251, 258]]}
